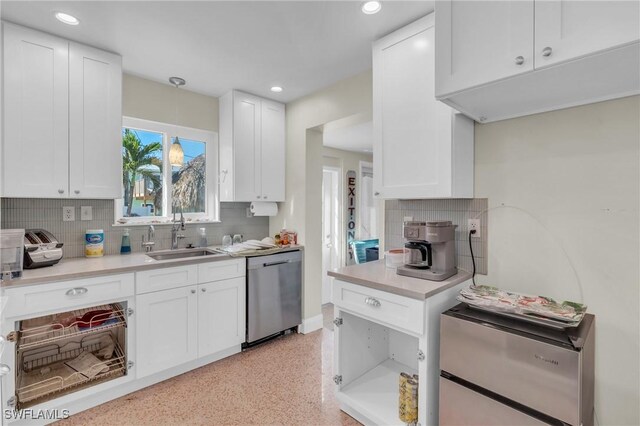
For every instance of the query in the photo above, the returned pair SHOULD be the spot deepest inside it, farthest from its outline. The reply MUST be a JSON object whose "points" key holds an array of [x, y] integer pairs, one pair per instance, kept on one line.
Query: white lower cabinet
{"points": [[167, 329], [195, 312], [221, 315], [371, 350]]}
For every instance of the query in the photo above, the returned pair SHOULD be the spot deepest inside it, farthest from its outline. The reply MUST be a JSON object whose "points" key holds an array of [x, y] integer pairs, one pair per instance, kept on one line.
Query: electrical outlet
{"points": [[474, 224], [68, 214], [408, 219], [86, 213]]}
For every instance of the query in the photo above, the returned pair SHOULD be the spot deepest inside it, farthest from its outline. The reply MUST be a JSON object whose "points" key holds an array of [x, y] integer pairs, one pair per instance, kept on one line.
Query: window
{"points": [[157, 183]]}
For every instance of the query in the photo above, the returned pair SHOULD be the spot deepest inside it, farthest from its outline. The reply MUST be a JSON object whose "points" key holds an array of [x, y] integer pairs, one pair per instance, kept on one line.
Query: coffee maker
{"points": [[430, 251]]}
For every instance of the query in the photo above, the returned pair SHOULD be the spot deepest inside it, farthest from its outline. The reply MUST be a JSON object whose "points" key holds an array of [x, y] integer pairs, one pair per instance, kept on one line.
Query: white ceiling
{"points": [[357, 138], [219, 45]]}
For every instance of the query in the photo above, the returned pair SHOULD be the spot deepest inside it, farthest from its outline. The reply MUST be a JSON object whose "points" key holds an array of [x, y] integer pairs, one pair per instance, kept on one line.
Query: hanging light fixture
{"points": [[176, 154]]}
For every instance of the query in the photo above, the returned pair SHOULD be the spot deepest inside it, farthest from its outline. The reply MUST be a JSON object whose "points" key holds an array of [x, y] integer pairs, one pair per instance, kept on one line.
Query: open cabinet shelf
{"points": [[376, 391], [369, 364]]}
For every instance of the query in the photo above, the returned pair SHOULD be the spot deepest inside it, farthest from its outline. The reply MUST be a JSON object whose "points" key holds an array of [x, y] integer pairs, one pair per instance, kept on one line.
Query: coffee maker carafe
{"points": [[429, 250]]}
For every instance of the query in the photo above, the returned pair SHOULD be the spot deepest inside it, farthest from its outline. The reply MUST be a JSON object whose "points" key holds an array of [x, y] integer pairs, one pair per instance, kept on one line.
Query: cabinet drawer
{"points": [[221, 270], [398, 311], [67, 294], [166, 278]]}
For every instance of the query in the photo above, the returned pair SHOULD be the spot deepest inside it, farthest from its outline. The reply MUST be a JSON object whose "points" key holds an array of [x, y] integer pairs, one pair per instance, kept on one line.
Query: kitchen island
{"points": [[387, 324]]}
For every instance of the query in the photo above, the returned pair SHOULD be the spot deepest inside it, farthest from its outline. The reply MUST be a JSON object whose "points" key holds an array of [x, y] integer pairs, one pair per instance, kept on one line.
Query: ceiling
{"points": [[357, 138], [219, 45]]}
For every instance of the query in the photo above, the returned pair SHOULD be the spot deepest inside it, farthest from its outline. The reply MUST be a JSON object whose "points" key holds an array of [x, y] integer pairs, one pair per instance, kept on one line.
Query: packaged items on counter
{"points": [[408, 398], [287, 238], [94, 243]]}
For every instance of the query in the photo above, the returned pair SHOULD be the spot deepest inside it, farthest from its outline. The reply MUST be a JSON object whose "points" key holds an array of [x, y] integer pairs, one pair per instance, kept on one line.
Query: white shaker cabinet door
{"points": [[273, 151], [246, 144], [221, 315], [414, 151], [482, 41], [167, 329], [569, 29], [36, 111], [95, 123]]}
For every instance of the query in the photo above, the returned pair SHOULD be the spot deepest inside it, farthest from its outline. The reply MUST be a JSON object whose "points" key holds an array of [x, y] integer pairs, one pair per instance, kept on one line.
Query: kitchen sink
{"points": [[181, 254]]}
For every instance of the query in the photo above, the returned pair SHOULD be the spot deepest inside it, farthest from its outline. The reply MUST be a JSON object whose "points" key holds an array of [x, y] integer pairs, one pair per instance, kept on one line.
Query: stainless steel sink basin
{"points": [[181, 254]]}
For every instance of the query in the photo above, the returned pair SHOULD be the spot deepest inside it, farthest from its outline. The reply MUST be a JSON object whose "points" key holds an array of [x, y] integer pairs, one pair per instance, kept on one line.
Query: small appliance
{"points": [[430, 251], [496, 370], [41, 248], [11, 259]]}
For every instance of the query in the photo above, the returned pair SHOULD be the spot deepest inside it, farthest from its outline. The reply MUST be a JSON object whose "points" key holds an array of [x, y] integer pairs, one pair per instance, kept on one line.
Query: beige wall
{"points": [[345, 161], [155, 101], [570, 180], [301, 211]]}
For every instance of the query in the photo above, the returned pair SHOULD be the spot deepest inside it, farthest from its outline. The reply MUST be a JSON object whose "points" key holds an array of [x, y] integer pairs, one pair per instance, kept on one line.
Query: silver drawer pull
{"points": [[372, 302], [77, 291]]}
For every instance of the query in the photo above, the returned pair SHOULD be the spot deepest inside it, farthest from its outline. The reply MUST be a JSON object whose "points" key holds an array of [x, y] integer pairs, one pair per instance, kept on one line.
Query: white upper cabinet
{"points": [[484, 41], [36, 113], [252, 146], [505, 59], [422, 149], [95, 123], [273, 153], [62, 115], [568, 29]]}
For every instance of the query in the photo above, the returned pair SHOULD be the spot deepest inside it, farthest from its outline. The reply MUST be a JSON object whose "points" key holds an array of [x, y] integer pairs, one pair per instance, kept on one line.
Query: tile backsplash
{"points": [[456, 210], [47, 214]]}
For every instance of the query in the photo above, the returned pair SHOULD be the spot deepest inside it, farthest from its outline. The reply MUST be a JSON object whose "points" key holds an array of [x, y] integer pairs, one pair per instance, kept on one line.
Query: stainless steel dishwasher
{"points": [[274, 295]]}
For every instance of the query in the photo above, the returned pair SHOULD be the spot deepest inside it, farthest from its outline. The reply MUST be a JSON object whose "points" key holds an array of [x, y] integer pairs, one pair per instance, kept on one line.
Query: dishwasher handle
{"points": [[282, 262]]}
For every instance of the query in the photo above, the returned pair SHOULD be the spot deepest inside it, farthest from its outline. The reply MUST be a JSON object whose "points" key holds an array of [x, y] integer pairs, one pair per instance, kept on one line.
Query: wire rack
{"points": [[49, 376], [54, 331]]}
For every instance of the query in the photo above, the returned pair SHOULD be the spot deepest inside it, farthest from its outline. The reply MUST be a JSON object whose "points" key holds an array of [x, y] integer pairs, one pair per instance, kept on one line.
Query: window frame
{"points": [[212, 193]]}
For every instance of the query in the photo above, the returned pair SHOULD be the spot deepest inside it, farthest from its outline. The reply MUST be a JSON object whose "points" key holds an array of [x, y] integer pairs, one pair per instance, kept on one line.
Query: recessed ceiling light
{"points": [[371, 7], [65, 18], [276, 89]]}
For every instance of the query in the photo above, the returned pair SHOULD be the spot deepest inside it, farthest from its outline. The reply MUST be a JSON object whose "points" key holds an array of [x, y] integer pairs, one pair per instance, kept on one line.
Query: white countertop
{"points": [[377, 275], [81, 267]]}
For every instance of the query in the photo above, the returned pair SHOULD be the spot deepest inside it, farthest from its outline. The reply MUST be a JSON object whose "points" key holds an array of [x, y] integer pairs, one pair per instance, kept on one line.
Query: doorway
{"points": [[330, 227]]}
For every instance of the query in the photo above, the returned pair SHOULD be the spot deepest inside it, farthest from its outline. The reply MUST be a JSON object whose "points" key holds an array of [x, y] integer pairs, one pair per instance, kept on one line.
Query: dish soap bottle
{"points": [[203, 238], [125, 247]]}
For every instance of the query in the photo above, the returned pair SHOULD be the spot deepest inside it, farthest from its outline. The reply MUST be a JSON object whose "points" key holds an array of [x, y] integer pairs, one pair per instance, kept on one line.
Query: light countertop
{"points": [[377, 275], [81, 267]]}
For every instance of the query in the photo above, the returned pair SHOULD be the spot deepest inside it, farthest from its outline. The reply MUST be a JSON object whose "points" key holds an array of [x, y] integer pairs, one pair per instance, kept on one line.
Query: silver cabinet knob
{"points": [[264, 196], [258, 197], [77, 191], [60, 191], [376, 193], [203, 289], [519, 60], [546, 51], [4, 369], [193, 291], [372, 301]]}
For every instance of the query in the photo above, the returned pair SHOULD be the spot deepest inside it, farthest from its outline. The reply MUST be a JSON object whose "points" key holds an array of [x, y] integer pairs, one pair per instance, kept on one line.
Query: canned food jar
{"points": [[94, 243]]}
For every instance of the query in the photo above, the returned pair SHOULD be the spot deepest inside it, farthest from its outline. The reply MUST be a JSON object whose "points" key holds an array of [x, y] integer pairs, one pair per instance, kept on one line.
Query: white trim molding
{"points": [[309, 325]]}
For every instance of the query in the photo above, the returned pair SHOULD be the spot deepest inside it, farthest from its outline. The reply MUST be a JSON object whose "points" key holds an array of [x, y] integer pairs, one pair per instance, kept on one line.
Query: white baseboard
{"points": [[310, 325]]}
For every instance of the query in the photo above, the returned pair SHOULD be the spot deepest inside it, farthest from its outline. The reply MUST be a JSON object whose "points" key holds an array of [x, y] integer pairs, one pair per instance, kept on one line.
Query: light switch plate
{"points": [[86, 213], [68, 214], [408, 219]]}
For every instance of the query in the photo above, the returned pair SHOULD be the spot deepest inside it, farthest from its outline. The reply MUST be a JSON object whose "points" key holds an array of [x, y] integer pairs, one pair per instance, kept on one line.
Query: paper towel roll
{"points": [[263, 208]]}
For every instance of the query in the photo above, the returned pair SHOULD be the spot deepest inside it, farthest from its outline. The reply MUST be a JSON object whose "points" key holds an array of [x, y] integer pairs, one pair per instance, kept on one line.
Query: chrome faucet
{"points": [[151, 234], [178, 225]]}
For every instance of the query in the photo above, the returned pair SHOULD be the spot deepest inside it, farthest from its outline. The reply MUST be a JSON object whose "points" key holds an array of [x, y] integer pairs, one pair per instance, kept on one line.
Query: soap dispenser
{"points": [[203, 237], [125, 247]]}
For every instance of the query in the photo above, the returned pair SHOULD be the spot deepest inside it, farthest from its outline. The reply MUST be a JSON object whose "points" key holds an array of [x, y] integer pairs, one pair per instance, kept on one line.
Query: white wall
{"points": [[575, 176], [150, 100], [302, 210]]}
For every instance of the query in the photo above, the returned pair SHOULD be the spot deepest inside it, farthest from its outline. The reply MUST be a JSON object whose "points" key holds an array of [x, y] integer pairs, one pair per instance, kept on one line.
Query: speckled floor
{"points": [[287, 381]]}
